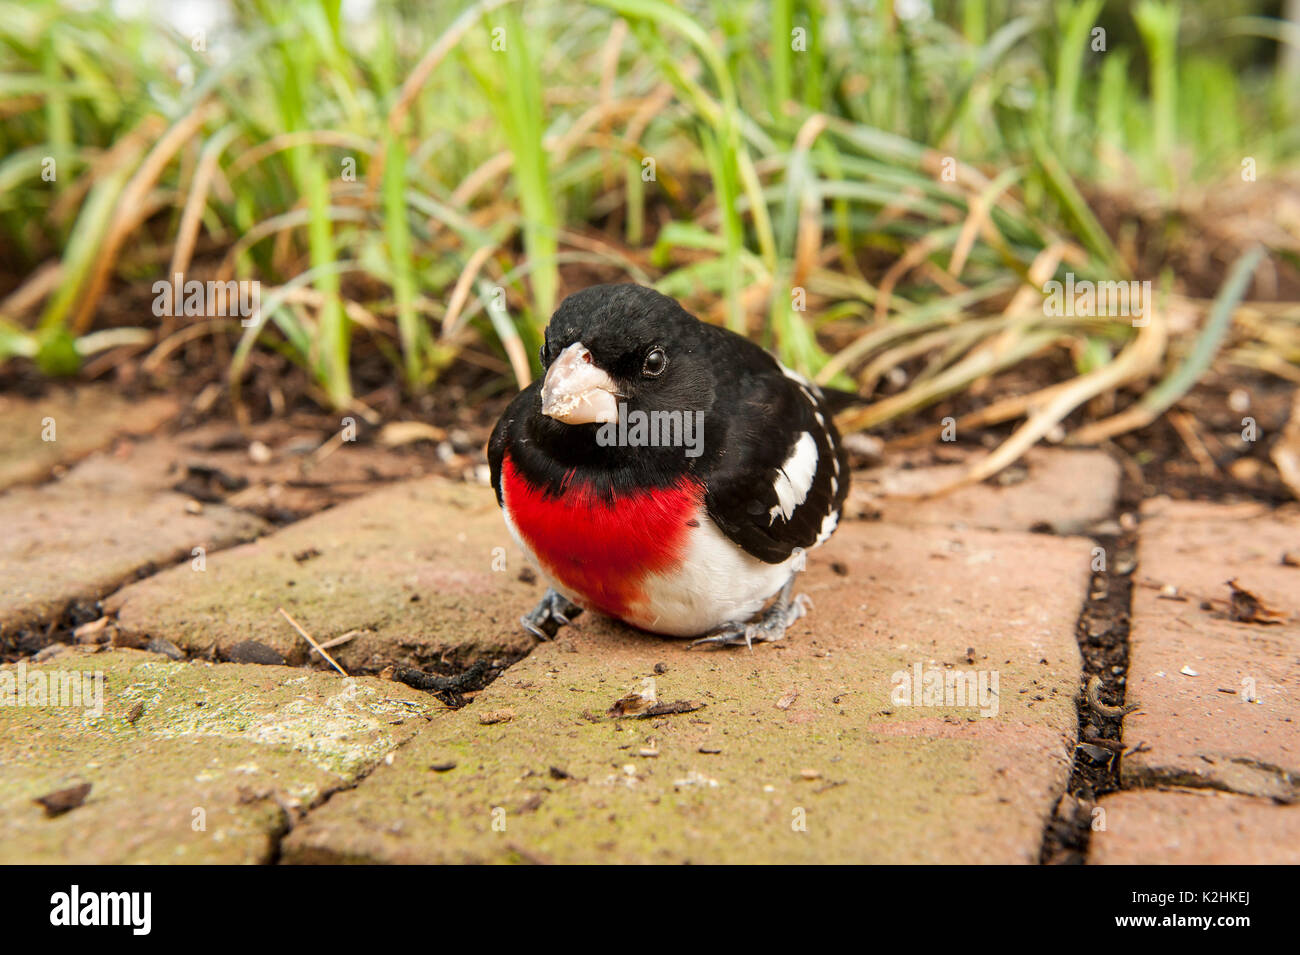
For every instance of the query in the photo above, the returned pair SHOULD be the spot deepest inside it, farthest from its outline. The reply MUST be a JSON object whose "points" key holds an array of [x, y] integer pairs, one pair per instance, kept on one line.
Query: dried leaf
{"points": [[397, 433], [633, 704], [63, 800], [1246, 607]]}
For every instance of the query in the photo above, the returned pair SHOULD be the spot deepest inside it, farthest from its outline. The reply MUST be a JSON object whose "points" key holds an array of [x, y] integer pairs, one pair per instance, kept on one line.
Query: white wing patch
{"points": [[795, 478], [828, 527]]}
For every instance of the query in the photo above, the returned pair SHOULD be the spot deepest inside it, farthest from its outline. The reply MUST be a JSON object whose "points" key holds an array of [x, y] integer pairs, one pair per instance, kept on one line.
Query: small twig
{"points": [[669, 709], [339, 641], [1185, 425], [308, 637], [327, 448], [1094, 700]]}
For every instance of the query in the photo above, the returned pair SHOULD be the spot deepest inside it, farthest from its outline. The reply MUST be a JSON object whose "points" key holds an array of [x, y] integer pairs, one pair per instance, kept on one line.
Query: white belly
{"points": [[716, 583]]}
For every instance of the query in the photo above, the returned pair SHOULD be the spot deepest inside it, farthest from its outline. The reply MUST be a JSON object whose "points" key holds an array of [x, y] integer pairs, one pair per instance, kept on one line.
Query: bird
{"points": [[667, 472]]}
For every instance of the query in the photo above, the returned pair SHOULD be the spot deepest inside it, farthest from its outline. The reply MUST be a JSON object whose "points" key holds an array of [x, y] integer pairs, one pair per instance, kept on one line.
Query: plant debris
{"points": [[449, 689], [639, 707], [1246, 607], [166, 648], [209, 484], [634, 704], [670, 709], [312, 640], [63, 800], [1094, 700]]}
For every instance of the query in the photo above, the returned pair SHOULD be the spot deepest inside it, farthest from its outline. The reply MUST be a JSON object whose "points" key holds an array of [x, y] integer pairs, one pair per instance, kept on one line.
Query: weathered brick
{"points": [[1200, 827], [804, 729], [418, 572], [187, 762], [83, 419], [78, 538], [1063, 491], [1219, 699]]}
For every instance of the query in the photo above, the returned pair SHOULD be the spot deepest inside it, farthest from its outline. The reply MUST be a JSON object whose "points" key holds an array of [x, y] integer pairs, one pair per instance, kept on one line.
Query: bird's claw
{"points": [[552, 612], [767, 627], [536, 631]]}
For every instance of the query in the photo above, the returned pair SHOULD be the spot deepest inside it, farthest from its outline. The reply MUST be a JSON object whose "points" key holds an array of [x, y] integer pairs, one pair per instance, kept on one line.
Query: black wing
{"points": [[772, 420]]}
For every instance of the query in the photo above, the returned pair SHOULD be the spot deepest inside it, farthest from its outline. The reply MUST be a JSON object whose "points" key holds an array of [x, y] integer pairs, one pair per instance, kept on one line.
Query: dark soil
{"points": [[1156, 461], [29, 640], [1102, 631]]}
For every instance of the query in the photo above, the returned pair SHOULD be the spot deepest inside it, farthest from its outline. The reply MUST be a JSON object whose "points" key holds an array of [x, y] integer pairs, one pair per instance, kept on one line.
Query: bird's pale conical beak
{"points": [[575, 391]]}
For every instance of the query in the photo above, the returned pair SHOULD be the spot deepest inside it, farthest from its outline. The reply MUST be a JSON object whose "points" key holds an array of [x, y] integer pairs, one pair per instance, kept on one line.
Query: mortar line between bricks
{"points": [[61, 624], [1104, 653], [1155, 777], [65, 621], [275, 856]]}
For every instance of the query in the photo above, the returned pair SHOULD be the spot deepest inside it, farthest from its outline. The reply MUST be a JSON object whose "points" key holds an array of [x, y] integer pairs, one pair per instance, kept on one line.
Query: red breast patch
{"points": [[602, 550]]}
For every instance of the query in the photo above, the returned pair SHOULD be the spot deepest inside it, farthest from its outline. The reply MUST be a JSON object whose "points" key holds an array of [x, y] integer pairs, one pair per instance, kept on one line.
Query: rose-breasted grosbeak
{"points": [[627, 507]]}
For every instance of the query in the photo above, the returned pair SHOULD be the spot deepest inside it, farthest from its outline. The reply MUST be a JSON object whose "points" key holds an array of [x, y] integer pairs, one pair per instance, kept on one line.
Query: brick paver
{"points": [[1053, 489], [187, 762], [1219, 699], [1195, 827], [78, 421], [418, 573], [797, 753], [80, 537]]}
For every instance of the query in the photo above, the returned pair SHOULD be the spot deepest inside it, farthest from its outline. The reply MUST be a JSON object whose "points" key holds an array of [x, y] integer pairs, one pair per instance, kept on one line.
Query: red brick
{"points": [[1198, 730], [1194, 827]]}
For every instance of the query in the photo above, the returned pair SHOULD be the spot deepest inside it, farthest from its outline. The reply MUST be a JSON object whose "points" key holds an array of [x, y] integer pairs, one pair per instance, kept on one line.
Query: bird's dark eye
{"points": [[655, 363]]}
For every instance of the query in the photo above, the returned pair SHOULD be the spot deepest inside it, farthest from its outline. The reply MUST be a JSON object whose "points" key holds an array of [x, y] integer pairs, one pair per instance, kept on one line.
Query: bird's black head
{"points": [[627, 343], [621, 345]]}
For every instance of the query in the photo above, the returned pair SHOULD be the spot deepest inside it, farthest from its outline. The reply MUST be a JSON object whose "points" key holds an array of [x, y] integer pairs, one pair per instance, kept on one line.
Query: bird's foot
{"points": [[766, 627], [552, 612]]}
